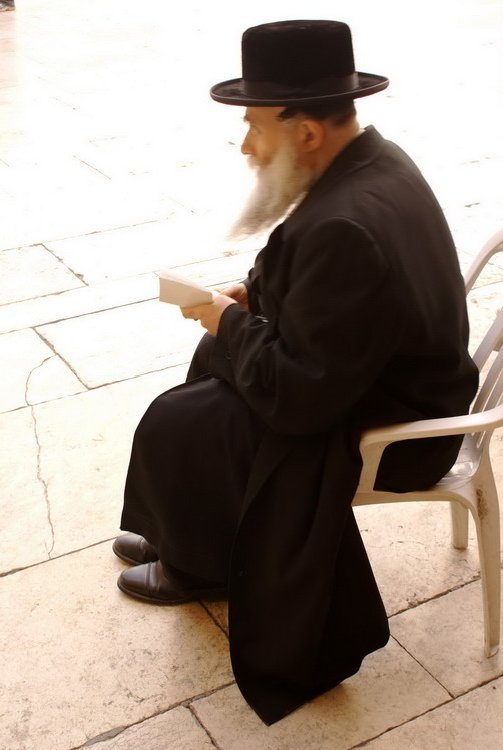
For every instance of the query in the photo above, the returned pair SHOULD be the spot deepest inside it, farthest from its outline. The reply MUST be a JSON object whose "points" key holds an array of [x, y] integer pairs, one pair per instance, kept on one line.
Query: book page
{"points": [[177, 290]]}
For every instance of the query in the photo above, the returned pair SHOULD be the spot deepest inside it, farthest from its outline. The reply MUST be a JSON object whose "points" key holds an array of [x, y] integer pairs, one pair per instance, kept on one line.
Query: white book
{"points": [[177, 290]]}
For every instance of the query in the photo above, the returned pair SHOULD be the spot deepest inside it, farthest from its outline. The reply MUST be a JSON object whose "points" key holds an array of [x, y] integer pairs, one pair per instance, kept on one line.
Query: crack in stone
{"points": [[105, 736], [40, 478]]}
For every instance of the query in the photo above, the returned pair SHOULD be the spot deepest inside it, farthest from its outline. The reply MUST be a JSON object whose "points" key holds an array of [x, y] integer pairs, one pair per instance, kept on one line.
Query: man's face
{"points": [[281, 179], [266, 133]]}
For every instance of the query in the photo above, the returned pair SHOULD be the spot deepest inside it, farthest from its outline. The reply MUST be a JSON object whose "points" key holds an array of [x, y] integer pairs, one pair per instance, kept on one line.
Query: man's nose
{"points": [[245, 147]]}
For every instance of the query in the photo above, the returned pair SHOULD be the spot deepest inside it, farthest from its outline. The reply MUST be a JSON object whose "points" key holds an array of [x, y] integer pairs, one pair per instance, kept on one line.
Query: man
{"points": [[241, 479]]}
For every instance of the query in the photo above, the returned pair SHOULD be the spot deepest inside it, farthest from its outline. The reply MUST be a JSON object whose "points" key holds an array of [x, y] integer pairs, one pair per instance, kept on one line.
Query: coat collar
{"points": [[360, 152]]}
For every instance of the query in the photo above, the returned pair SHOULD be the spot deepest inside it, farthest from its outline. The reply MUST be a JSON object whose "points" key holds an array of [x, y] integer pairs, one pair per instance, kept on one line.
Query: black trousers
{"points": [[190, 461]]}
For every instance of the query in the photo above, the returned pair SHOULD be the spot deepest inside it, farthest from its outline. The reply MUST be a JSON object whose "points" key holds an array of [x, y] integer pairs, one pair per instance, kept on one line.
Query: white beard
{"points": [[279, 185]]}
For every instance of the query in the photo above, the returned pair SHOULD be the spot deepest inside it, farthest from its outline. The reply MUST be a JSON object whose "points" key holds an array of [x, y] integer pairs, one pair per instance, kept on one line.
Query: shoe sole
{"points": [[208, 594]]}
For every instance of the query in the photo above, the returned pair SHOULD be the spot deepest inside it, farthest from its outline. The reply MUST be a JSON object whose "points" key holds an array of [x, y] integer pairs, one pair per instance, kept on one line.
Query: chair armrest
{"points": [[374, 441]]}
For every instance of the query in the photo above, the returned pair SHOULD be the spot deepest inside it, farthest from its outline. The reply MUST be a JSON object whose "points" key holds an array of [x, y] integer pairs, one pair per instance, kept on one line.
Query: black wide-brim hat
{"points": [[297, 63]]}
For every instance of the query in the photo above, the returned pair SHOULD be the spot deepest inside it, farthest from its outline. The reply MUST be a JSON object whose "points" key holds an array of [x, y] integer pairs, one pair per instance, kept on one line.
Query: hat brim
{"points": [[233, 92]]}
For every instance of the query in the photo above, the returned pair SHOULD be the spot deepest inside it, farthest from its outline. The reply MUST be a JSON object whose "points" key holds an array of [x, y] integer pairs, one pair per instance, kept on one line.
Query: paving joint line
{"points": [[213, 618], [93, 231], [135, 377], [196, 718], [185, 703], [79, 276], [56, 557], [39, 296], [69, 317], [414, 605], [90, 388], [95, 169], [425, 713], [60, 356], [422, 666]]}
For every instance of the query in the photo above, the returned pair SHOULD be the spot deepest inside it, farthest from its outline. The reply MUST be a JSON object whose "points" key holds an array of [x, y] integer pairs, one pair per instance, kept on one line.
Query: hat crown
{"points": [[297, 63], [297, 53]]}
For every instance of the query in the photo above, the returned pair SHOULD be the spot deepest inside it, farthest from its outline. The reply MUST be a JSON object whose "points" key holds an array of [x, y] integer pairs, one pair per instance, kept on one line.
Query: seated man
{"points": [[241, 479]]}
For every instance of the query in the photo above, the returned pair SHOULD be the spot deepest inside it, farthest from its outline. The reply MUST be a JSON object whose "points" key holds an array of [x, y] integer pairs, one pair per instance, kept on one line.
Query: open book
{"points": [[182, 292]]}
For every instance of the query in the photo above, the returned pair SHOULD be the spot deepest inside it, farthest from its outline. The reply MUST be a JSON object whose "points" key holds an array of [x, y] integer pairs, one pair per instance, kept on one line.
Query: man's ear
{"points": [[311, 134]]}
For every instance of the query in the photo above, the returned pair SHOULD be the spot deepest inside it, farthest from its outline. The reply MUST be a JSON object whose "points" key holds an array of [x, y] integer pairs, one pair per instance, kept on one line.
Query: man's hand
{"points": [[209, 315], [238, 292]]}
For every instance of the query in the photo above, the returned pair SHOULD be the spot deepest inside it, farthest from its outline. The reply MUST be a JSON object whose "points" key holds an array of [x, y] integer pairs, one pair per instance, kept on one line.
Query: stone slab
{"points": [[57, 213], [121, 252], [64, 465], [181, 239], [32, 272], [80, 658], [410, 549], [217, 272], [186, 167], [27, 535], [76, 302], [32, 372], [117, 344], [174, 730], [19, 112], [35, 174], [362, 707], [113, 293], [474, 720], [445, 635]]}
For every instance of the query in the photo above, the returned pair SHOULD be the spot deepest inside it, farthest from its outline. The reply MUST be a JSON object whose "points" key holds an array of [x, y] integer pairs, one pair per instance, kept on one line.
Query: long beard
{"points": [[279, 186]]}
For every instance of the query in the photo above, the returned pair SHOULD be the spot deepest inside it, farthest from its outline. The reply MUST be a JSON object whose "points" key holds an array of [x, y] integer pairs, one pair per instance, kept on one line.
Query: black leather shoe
{"points": [[148, 583], [134, 549]]}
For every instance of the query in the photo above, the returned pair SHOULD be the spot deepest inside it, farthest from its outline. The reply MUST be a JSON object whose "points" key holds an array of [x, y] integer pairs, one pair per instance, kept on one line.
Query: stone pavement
{"points": [[113, 163]]}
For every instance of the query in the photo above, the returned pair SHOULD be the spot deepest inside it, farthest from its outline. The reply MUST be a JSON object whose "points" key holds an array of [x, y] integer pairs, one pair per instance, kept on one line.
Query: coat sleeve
{"points": [[337, 327], [250, 283]]}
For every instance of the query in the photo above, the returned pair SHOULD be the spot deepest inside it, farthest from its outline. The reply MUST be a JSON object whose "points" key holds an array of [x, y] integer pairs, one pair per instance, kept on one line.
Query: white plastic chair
{"points": [[469, 486]]}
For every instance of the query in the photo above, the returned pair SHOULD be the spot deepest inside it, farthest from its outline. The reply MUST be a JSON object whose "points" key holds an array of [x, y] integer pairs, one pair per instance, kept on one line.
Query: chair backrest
{"points": [[493, 245], [492, 341], [490, 393], [491, 390]]}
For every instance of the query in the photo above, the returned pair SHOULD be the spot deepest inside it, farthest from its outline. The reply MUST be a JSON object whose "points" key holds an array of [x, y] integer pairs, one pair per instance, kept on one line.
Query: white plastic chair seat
{"points": [[461, 473], [465, 467]]}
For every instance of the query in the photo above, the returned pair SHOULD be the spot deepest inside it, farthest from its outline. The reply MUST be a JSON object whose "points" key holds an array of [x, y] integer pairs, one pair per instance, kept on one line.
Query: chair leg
{"points": [[488, 535], [459, 518]]}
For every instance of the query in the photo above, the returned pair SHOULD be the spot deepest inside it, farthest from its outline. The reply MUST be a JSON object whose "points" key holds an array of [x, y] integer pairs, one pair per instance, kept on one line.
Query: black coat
{"points": [[357, 318]]}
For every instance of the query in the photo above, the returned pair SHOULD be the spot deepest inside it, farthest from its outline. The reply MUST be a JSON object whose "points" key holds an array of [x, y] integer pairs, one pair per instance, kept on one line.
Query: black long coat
{"points": [[357, 318]]}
